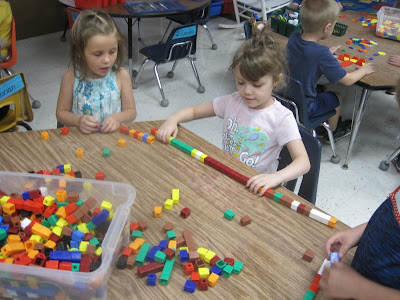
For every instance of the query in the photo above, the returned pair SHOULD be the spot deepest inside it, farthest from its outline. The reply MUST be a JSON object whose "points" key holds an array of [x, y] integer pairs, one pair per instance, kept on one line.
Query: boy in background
{"points": [[308, 60]]}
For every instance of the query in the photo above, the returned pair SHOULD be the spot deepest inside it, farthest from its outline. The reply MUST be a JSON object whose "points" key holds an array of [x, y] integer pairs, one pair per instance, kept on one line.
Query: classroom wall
{"points": [[37, 17]]}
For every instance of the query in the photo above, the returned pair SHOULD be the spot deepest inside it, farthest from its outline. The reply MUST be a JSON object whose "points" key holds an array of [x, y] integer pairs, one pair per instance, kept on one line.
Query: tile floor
{"points": [[350, 195]]}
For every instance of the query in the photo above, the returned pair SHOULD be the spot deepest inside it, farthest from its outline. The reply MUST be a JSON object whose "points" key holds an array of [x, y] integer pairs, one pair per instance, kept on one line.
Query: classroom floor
{"points": [[350, 195]]}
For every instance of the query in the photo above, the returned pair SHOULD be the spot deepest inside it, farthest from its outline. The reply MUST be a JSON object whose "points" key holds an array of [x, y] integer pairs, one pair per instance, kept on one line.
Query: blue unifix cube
{"points": [[77, 236], [61, 168], [6, 227], [1, 220], [184, 256], [151, 279], [75, 256], [190, 286], [74, 244], [100, 217], [163, 245], [334, 257], [25, 195], [151, 253], [144, 137], [216, 270]]}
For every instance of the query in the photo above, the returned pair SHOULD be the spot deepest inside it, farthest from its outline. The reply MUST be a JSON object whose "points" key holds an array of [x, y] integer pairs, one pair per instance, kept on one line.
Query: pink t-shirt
{"points": [[255, 136]]}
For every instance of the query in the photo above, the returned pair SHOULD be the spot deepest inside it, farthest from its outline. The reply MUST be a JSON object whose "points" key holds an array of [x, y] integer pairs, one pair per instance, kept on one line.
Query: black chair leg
{"points": [[63, 38]]}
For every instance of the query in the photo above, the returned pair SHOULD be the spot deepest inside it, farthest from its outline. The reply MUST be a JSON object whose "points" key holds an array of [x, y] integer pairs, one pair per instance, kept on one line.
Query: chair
{"points": [[180, 44], [309, 184], [384, 165], [6, 65], [73, 14], [14, 94], [246, 8], [199, 17], [293, 97]]}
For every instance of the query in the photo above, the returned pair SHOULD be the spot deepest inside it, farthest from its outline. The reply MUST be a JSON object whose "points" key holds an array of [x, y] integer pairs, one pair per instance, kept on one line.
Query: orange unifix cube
{"points": [[41, 230], [8, 208], [61, 196]]}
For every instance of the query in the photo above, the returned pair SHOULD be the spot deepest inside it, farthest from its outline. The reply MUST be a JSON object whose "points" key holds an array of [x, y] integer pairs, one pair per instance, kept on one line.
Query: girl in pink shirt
{"points": [[256, 126]]}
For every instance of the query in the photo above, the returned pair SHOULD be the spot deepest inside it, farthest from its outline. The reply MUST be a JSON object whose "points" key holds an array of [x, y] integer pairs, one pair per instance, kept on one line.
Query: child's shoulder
{"points": [[69, 74], [121, 73]]}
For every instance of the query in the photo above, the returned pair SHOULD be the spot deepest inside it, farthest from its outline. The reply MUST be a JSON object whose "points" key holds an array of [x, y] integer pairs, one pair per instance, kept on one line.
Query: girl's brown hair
{"points": [[260, 56], [88, 24]]}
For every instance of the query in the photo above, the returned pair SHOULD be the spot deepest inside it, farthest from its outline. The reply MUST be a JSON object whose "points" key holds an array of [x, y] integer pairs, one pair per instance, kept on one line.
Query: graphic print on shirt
{"points": [[244, 142]]}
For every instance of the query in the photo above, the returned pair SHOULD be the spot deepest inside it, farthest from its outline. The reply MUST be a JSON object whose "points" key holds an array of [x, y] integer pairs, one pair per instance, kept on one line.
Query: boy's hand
{"points": [[88, 124], [169, 128], [339, 281], [368, 68], [110, 124], [264, 181], [340, 242], [334, 49]]}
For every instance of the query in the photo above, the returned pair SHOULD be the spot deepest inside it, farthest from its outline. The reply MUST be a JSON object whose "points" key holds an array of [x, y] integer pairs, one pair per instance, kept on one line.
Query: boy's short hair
{"points": [[315, 14]]}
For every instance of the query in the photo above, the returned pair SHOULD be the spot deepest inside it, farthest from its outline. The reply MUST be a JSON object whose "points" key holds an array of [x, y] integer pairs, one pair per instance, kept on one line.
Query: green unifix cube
{"points": [[136, 234], [229, 215], [160, 257]]}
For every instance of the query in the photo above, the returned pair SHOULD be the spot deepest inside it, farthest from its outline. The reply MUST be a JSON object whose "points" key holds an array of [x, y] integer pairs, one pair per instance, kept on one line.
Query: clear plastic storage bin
{"points": [[30, 282], [388, 25]]}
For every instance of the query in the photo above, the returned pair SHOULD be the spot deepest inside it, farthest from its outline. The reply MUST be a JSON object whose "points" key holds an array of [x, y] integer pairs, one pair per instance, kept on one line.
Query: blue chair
{"points": [[199, 17], [180, 44], [309, 184], [292, 96]]}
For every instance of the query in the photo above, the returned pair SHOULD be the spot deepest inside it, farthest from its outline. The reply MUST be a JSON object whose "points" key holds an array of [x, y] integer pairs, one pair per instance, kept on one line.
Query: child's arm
{"points": [[340, 281], [343, 241], [128, 107], [299, 166], [353, 77], [170, 126], [86, 124]]}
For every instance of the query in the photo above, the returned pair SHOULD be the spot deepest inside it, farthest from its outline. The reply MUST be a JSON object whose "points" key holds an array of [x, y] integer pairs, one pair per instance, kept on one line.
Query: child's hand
{"points": [[110, 124], [339, 281], [334, 49], [264, 181], [88, 124], [394, 60], [340, 242], [368, 68], [169, 128]]}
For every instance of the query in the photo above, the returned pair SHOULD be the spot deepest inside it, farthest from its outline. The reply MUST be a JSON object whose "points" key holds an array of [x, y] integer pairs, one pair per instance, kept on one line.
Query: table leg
{"points": [[130, 45], [356, 124]]}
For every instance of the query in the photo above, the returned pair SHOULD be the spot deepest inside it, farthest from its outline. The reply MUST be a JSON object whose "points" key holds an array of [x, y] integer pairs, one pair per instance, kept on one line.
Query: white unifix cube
{"points": [[44, 191], [295, 205], [319, 216], [198, 154], [25, 223], [326, 263]]}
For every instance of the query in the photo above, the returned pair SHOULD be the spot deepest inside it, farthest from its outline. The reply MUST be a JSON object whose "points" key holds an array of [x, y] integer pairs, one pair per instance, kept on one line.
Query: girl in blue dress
{"points": [[96, 92]]}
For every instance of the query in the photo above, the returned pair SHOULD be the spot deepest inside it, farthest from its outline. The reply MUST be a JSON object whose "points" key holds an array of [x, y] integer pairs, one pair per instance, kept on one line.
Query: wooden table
{"points": [[385, 76], [119, 11], [271, 247]]}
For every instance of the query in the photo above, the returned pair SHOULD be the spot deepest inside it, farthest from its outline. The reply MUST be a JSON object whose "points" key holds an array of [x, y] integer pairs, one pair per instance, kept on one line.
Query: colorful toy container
{"points": [[388, 23], [17, 281]]}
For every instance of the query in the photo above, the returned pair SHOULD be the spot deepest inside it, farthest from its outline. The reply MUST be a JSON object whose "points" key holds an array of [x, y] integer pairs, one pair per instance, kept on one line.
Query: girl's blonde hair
{"points": [[260, 56], [88, 24]]}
